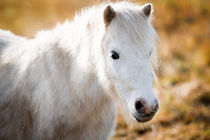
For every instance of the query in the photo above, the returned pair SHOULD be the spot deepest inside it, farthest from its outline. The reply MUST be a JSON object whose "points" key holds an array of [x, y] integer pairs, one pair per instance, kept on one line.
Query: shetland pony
{"points": [[64, 83]]}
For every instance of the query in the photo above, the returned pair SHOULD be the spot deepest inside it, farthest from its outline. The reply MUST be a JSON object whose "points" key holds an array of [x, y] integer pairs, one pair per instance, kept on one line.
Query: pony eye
{"points": [[114, 55]]}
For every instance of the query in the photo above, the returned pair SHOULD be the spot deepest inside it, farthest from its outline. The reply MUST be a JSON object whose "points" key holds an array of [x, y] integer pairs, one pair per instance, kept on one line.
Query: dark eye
{"points": [[114, 55]]}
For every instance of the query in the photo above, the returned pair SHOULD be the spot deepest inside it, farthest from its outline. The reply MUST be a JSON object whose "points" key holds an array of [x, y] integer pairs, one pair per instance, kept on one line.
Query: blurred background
{"points": [[184, 49]]}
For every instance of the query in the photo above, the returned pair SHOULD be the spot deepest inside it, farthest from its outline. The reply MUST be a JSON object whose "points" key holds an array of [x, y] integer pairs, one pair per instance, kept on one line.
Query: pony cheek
{"points": [[124, 94]]}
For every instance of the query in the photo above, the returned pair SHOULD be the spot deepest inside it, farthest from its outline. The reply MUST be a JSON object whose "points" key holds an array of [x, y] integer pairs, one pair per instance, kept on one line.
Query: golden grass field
{"points": [[184, 76]]}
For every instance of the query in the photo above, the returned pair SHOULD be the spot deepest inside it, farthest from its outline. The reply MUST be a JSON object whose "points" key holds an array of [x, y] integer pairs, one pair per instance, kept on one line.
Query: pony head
{"points": [[129, 54]]}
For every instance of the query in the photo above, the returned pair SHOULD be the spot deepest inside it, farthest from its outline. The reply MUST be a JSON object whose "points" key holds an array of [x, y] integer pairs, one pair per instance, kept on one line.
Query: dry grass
{"points": [[184, 29]]}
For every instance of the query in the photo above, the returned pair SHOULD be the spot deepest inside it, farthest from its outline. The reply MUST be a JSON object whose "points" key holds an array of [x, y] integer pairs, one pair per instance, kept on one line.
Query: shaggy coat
{"points": [[56, 86]]}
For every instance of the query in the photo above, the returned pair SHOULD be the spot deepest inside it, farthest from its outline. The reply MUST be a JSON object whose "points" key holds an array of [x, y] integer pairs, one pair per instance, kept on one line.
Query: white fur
{"points": [[63, 83]]}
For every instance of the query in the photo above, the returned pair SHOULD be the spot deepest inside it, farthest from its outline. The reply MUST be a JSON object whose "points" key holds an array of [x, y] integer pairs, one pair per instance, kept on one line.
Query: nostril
{"points": [[139, 105], [156, 107]]}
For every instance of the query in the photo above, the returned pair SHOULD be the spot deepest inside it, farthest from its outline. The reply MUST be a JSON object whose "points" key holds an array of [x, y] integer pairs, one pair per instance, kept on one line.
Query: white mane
{"points": [[128, 21]]}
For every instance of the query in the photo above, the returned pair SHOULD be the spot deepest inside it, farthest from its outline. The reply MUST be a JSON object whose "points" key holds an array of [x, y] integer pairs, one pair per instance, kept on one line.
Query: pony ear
{"points": [[109, 14], [147, 9]]}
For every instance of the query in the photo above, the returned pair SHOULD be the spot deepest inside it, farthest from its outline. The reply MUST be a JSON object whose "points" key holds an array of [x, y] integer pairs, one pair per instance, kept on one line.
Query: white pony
{"points": [[64, 83]]}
